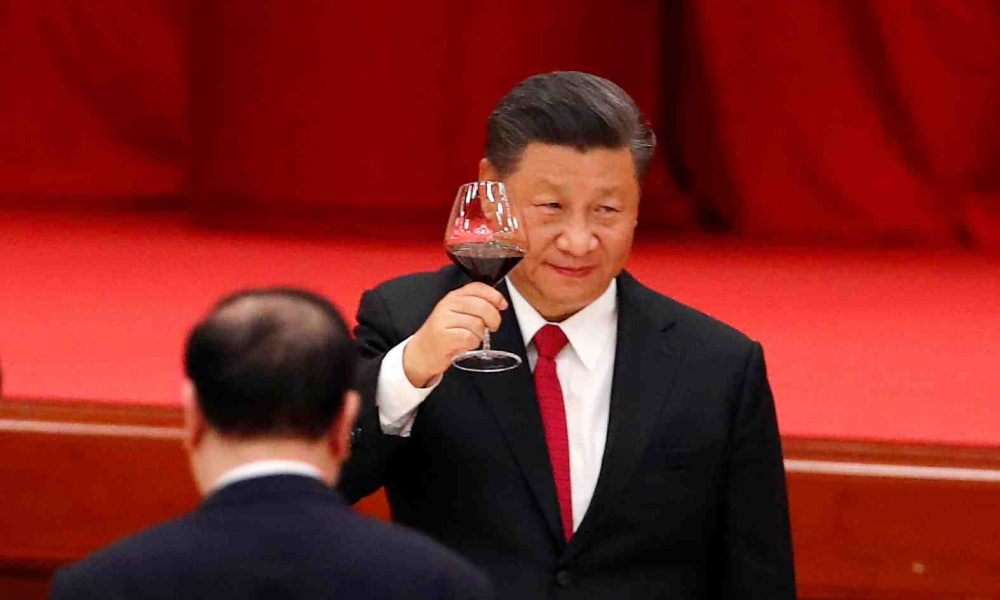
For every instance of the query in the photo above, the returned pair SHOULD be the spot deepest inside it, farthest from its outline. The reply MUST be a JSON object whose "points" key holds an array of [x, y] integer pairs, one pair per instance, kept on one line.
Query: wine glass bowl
{"points": [[486, 239]]}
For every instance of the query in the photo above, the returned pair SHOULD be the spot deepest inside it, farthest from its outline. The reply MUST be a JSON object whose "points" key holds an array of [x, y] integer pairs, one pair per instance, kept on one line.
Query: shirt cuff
{"points": [[396, 398]]}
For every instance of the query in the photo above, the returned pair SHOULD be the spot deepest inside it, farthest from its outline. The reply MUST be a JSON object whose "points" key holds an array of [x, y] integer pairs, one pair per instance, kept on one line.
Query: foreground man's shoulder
{"points": [[162, 546]]}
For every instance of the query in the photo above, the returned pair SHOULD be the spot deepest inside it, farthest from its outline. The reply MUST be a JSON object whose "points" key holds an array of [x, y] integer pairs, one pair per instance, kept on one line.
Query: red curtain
{"points": [[856, 120], [859, 121], [351, 114], [92, 102]]}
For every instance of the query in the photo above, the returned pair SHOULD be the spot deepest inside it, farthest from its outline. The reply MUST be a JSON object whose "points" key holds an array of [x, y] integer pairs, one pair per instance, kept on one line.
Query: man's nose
{"points": [[576, 239]]}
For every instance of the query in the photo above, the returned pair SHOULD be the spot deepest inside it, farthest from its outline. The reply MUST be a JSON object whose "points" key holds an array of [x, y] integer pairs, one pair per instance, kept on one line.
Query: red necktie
{"points": [[548, 342]]}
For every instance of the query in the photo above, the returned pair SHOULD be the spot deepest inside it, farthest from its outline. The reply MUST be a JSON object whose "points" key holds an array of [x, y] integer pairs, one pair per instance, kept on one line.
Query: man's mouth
{"points": [[575, 272]]}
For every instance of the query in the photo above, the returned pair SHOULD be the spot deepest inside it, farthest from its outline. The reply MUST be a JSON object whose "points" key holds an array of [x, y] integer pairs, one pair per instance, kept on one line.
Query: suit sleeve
{"points": [[371, 449], [69, 584], [60, 589], [757, 536], [463, 581]]}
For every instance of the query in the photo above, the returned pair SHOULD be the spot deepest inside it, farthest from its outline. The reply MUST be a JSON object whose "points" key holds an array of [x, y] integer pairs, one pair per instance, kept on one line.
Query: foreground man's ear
{"points": [[194, 421], [340, 438]]}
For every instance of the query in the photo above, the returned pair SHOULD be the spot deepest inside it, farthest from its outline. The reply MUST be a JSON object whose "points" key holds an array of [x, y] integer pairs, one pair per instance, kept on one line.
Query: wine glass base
{"points": [[486, 361]]}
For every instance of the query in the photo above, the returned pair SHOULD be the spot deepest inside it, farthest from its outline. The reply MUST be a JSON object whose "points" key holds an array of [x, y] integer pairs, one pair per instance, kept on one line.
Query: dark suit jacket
{"points": [[690, 501], [272, 538]]}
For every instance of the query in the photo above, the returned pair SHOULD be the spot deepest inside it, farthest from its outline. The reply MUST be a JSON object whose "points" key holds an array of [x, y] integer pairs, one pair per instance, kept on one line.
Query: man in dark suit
{"points": [[635, 452], [268, 420]]}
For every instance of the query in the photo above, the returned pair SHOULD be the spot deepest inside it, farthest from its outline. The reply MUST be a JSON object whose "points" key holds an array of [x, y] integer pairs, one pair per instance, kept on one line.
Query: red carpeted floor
{"points": [[861, 344]]}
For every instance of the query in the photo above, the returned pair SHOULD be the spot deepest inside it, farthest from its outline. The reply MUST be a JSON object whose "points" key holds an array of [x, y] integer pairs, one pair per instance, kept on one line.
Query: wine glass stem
{"points": [[486, 340]]}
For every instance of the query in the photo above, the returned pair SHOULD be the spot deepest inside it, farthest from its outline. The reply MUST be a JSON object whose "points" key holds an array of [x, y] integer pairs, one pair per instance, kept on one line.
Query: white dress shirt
{"points": [[266, 468], [585, 368]]}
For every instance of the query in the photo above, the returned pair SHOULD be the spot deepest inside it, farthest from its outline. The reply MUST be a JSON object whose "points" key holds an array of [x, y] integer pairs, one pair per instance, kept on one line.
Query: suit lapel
{"points": [[510, 395], [645, 366]]}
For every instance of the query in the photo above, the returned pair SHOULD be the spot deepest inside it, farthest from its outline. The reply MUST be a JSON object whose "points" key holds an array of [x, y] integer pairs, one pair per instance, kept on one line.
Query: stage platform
{"points": [[862, 344], [885, 365]]}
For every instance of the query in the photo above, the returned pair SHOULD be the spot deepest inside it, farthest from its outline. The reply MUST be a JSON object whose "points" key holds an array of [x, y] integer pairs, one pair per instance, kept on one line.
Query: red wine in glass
{"points": [[486, 240], [486, 263]]}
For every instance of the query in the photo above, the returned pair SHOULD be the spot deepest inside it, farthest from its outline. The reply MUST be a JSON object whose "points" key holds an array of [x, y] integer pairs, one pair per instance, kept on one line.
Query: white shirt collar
{"points": [[587, 330], [265, 468]]}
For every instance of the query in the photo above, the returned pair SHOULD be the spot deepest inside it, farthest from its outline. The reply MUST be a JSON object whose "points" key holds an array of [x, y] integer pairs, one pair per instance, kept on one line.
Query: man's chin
{"points": [[573, 296], [570, 294]]}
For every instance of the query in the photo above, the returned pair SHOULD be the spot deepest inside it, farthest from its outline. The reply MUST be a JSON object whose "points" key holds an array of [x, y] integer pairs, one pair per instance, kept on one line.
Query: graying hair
{"points": [[567, 108]]}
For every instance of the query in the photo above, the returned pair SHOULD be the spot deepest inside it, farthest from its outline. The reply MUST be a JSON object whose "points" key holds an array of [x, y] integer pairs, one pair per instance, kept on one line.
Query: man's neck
{"points": [[266, 468], [219, 455]]}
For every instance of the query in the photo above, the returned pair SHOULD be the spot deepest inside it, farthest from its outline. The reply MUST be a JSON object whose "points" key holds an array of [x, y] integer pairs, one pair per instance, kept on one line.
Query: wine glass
{"points": [[485, 238]]}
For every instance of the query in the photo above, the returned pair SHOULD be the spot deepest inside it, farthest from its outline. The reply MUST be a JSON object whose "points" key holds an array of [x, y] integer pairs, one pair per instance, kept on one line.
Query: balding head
{"points": [[271, 363]]}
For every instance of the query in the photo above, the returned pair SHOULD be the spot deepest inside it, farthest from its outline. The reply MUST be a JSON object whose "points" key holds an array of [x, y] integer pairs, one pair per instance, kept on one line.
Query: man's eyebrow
{"points": [[552, 182], [609, 190]]}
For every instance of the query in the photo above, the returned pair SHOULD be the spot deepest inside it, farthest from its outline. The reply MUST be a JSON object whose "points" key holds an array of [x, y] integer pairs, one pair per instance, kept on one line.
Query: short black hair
{"points": [[271, 362], [567, 108]]}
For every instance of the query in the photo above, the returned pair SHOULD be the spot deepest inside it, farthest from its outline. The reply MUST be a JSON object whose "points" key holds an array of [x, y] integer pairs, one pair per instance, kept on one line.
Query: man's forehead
{"points": [[538, 153], [598, 184], [563, 167]]}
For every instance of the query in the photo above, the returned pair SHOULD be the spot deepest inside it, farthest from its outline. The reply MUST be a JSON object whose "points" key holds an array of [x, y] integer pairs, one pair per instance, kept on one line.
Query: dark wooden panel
{"points": [[910, 521], [893, 536], [25, 582], [79, 483], [80, 475], [893, 453], [24, 587]]}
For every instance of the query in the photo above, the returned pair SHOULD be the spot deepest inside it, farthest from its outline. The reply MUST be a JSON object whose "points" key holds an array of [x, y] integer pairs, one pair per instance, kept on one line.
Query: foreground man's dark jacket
{"points": [[276, 537]]}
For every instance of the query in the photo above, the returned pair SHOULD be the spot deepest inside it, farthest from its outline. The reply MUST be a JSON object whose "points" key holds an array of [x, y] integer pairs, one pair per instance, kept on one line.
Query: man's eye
{"points": [[549, 205], [607, 209]]}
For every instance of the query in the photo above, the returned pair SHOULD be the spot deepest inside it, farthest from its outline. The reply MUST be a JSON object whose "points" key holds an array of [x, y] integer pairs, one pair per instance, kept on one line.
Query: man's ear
{"points": [[487, 172], [343, 425], [194, 421]]}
